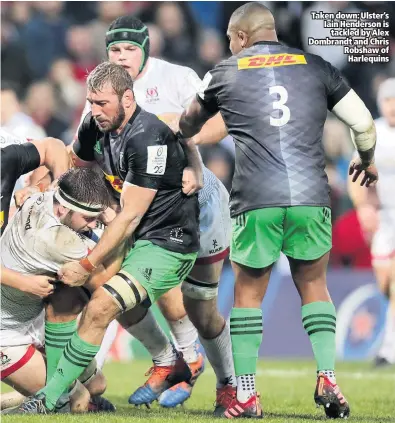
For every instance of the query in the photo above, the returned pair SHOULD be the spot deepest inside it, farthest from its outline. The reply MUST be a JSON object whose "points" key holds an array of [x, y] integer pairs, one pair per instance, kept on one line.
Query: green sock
{"points": [[319, 321], [75, 358], [57, 335], [246, 335]]}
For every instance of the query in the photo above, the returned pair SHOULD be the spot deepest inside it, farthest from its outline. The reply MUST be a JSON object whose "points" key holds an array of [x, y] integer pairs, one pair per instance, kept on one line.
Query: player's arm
{"points": [[347, 106], [203, 107], [31, 284], [139, 189]]}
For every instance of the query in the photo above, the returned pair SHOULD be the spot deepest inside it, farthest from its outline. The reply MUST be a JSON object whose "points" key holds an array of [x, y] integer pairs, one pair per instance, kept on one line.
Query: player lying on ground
{"points": [[43, 235], [274, 102], [162, 220]]}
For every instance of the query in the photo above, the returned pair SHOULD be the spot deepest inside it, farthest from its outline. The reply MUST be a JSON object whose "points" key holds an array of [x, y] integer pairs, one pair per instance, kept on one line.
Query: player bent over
{"points": [[149, 161], [43, 235]]}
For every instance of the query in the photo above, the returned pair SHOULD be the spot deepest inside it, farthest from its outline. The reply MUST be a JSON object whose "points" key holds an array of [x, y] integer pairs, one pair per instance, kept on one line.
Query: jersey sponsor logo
{"points": [[152, 95], [115, 182], [28, 220], [1, 218], [4, 359], [270, 61], [176, 235], [156, 162], [97, 147]]}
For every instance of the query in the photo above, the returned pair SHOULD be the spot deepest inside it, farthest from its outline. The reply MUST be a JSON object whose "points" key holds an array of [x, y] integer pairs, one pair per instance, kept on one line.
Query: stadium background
{"points": [[47, 50]]}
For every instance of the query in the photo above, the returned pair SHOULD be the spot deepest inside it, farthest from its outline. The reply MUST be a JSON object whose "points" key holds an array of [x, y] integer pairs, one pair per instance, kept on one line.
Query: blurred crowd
{"points": [[48, 47]]}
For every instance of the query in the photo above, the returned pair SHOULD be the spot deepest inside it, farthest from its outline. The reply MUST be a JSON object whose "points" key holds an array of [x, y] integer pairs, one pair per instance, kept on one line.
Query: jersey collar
{"points": [[276, 43]]}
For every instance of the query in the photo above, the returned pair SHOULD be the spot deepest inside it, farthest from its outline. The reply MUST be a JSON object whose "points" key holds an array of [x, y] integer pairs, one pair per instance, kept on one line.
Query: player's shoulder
{"points": [[173, 69], [61, 242], [149, 123]]}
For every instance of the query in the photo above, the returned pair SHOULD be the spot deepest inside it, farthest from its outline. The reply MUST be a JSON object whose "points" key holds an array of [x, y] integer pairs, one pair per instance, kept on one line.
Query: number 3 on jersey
{"points": [[280, 105]]}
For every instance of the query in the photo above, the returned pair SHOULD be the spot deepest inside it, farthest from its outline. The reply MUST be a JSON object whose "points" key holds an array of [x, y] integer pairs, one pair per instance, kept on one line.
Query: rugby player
{"points": [[166, 89], [383, 244], [127, 141], [274, 101], [45, 233]]}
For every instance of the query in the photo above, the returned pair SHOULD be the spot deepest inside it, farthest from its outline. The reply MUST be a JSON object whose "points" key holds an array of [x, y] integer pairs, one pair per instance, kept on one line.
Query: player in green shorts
{"points": [[274, 101], [143, 162]]}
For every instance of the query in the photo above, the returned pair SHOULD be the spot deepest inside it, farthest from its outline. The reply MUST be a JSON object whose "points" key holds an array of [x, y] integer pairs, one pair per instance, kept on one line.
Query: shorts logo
{"points": [[176, 235], [270, 61], [215, 249], [4, 359], [146, 273], [60, 371]]}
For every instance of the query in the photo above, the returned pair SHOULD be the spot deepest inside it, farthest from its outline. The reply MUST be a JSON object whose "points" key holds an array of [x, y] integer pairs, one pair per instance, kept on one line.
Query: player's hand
{"points": [[192, 181], [370, 174], [37, 285], [23, 194], [73, 274], [108, 216]]}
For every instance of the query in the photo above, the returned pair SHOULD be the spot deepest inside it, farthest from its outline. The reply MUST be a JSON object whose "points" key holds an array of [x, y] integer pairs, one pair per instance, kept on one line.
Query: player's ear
{"points": [[128, 99], [243, 38]]}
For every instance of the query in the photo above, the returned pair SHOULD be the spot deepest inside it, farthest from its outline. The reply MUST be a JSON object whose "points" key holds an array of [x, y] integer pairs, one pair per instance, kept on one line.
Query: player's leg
{"points": [[307, 242], [183, 332], [383, 252], [200, 290], [122, 292], [256, 244]]}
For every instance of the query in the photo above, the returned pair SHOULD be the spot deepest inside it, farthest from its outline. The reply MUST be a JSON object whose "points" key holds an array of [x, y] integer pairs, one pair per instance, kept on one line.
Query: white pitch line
{"points": [[281, 373]]}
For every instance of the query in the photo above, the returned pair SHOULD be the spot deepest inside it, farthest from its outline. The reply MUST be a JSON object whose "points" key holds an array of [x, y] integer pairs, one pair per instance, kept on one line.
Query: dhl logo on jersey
{"points": [[1, 218], [270, 61], [115, 182]]}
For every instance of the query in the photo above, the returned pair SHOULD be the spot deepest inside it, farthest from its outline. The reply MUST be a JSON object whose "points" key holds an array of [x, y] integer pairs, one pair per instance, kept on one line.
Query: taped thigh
{"points": [[126, 291], [198, 290]]}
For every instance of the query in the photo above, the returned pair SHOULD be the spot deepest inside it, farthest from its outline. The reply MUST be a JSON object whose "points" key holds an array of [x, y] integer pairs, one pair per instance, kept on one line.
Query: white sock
{"points": [[245, 387], [330, 374], [185, 336], [151, 335], [108, 340], [219, 354], [387, 349]]}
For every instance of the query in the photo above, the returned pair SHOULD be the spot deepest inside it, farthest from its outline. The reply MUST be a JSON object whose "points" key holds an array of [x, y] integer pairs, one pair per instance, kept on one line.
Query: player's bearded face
{"points": [[78, 222], [111, 123]]}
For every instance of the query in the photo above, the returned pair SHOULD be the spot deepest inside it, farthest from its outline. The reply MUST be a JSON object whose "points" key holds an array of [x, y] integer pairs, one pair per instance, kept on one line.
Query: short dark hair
{"points": [[85, 185], [115, 74]]}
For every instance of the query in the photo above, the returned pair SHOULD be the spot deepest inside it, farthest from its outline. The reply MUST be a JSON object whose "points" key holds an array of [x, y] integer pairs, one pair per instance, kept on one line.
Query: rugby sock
{"points": [[246, 334], [57, 335], [108, 340], [319, 321], [185, 337], [75, 358], [151, 335], [387, 348], [219, 354]]}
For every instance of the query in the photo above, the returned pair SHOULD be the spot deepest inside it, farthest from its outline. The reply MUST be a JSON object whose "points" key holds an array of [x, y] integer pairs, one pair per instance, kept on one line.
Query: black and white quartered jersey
{"points": [[274, 101], [147, 154]]}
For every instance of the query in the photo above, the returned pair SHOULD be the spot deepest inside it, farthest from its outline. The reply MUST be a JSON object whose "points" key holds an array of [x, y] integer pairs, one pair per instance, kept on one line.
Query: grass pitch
{"points": [[286, 389]]}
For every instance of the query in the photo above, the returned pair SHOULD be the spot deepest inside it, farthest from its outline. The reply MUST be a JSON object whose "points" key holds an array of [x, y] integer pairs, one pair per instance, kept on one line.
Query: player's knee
{"points": [[66, 301], [124, 291], [100, 310], [197, 290]]}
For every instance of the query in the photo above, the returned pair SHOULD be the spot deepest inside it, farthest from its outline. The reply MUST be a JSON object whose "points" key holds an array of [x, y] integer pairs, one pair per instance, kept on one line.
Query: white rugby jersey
{"points": [[385, 163], [7, 138], [34, 242], [169, 88]]}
